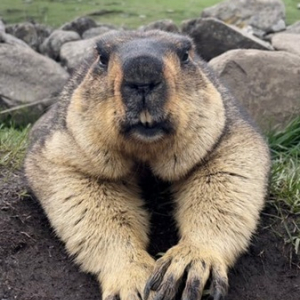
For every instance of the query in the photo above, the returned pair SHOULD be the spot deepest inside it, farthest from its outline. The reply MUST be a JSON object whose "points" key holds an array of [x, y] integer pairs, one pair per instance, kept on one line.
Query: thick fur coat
{"points": [[146, 99]]}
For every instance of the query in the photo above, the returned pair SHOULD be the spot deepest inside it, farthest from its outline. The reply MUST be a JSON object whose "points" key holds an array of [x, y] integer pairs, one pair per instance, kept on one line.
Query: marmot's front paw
{"points": [[197, 264], [127, 283]]}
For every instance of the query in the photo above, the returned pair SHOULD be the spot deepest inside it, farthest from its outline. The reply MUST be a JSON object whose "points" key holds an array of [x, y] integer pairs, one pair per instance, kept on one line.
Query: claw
{"points": [[219, 285], [139, 295], [192, 290], [112, 297], [217, 296], [174, 267], [152, 284], [156, 279], [167, 290]]}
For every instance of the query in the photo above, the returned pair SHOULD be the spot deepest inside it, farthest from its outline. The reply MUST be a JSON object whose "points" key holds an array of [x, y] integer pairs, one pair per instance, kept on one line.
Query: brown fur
{"points": [[83, 171]]}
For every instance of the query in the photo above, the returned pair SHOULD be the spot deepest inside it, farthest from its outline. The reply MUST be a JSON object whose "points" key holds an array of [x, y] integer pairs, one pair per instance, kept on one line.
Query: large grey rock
{"points": [[8, 38], [266, 83], [72, 54], [289, 42], [96, 31], [27, 77], [11, 40], [294, 28], [79, 25], [164, 25], [51, 46], [31, 34], [213, 37], [265, 15]]}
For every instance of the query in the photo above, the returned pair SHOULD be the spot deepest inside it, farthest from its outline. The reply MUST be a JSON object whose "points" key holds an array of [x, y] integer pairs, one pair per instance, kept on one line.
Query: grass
{"points": [[13, 144], [130, 13], [285, 184], [292, 13]]}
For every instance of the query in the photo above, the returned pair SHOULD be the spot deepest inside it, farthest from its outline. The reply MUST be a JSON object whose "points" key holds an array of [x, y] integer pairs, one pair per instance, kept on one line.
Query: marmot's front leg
{"points": [[103, 225], [216, 214]]}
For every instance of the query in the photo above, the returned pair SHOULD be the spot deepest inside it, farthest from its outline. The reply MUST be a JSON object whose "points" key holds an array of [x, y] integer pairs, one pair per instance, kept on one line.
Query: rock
{"points": [[164, 25], [32, 34], [51, 46], [265, 15], [2, 26], [96, 31], [43, 32], [266, 83], [25, 32], [255, 32], [79, 25], [72, 54], [27, 77], [289, 42], [11, 40], [294, 28], [213, 37]]}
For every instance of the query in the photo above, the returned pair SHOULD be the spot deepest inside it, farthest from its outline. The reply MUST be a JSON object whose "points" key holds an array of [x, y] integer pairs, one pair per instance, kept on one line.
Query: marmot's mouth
{"points": [[148, 132], [147, 129]]}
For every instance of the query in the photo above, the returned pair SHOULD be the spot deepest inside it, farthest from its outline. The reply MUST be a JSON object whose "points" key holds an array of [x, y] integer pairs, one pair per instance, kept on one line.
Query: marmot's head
{"points": [[145, 87]]}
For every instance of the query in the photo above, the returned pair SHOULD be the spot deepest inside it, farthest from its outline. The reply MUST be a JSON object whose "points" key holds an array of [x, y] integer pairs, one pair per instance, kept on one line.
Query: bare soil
{"points": [[35, 266]]}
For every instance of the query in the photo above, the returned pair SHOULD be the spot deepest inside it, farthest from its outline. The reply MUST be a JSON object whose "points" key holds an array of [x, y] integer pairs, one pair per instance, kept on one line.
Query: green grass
{"points": [[13, 144], [130, 13], [292, 13], [285, 184]]}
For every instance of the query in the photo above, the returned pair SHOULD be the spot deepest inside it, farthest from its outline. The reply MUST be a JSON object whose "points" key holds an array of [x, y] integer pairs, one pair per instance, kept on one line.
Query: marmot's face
{"points": [[142, 83]]}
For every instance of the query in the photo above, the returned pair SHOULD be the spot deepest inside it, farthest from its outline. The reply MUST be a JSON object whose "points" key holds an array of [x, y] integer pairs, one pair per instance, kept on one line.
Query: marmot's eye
{"points": [[185, 57], [103, 60]]}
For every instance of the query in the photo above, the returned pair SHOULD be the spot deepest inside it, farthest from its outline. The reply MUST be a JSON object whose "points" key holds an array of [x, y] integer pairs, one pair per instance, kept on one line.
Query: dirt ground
{"points": [[35, 266]]}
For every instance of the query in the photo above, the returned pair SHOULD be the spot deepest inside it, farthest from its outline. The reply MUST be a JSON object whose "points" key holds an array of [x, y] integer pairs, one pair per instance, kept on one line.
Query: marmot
{"points": [[146, 98]]}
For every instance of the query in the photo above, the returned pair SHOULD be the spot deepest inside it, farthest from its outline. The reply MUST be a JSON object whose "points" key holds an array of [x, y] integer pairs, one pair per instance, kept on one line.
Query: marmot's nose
{"points": [[142, 73], [142, 89]]}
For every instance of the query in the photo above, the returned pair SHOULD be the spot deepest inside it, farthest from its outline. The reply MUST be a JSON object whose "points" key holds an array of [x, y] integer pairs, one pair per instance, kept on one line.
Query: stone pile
{"points": [[246, 41]]}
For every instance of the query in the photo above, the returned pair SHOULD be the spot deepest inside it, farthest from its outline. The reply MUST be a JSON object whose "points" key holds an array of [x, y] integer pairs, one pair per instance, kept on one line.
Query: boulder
{"points": [[96, 31], [289, 42], [72, 54], [164, 25], [51, 46], [79, 25], [27, 77], [294, 28], [265, 82], [213, 37], [263, 15], [10, 39], [43, 31], [32, 34]]}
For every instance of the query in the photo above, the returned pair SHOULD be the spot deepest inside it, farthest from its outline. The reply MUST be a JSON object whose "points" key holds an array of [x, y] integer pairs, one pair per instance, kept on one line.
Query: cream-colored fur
{"points": [[83, 171]]}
